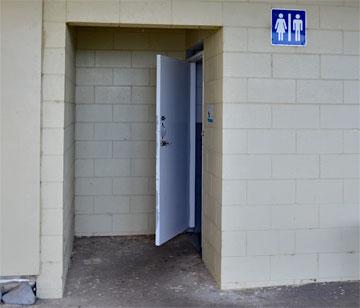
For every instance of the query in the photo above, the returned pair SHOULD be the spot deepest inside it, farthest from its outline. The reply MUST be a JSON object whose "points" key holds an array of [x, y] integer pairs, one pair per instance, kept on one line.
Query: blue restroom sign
{"points": [[288, 27]]}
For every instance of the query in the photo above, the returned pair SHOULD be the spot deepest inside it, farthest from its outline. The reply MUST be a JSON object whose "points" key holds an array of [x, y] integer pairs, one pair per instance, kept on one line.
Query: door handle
{"points": [[163, 142]]}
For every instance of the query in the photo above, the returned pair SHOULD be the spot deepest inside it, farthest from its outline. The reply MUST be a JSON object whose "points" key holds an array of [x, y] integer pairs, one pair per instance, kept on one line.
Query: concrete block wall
{"points": [[290, 189], [212, 154], [52, 160], [20, 105], [53, 271], [115, 127], [261, 195], [57, 151], [69, 150]]}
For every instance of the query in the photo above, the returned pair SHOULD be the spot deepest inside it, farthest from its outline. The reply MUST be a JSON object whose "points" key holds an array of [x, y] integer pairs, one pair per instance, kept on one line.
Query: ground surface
{"points": [[132, 272]]}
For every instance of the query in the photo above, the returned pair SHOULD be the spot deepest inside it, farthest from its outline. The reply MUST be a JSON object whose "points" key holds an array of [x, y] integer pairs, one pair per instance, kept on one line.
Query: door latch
{"points": [[164, 143]]}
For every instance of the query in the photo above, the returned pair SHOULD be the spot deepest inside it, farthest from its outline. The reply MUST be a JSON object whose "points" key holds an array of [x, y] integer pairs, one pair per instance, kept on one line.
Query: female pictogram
{"points": [[280, 27]]}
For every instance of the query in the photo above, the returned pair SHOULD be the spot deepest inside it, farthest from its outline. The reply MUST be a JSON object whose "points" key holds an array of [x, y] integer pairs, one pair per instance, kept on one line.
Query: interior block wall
{"points": [[212, 149], [115, 127], [290, 172]]}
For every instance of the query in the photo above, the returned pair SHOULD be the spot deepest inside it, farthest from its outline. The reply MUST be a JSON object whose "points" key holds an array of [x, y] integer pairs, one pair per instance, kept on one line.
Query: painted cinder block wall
{"points": [[20, 105], [212, 154], [57, 157], [285, 163], [290, 207], [268, 142], [115, 127], [69, 150]]}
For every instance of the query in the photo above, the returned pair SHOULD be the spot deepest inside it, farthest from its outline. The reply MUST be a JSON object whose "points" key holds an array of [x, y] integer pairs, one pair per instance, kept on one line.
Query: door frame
{"points": [[198, 56]]}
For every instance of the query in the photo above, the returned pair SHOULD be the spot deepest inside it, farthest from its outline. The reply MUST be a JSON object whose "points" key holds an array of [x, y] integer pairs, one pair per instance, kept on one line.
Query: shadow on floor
{"points": [[132, 272]]}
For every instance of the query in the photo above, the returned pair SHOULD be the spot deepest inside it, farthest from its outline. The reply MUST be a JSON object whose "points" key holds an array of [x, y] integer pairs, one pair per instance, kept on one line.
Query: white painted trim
{"points": [[158, 137]]}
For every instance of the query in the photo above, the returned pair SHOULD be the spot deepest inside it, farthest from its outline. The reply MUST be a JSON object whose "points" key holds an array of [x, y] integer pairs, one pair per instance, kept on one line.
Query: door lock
{"points": [[164, 143]]}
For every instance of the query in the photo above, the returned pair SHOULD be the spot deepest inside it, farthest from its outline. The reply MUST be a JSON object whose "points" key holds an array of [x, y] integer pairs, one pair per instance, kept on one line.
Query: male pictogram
{"points": [[298, 27]]}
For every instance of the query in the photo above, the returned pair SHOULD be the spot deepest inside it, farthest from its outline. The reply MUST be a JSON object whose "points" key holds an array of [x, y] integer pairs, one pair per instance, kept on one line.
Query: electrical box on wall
{"points": [[210, 114]]}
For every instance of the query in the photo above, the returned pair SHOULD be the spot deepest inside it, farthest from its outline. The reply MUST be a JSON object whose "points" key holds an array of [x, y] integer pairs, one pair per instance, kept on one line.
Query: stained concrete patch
{"points": [[132, 272]]}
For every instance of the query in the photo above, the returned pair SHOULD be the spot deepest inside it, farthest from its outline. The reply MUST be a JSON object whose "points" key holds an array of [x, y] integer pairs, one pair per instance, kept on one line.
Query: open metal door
{"points": [[173, 148]]}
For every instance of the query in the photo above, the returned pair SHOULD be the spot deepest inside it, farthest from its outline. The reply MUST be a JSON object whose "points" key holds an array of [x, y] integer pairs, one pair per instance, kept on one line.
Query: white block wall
{"points": [[115, 128], [290, 148]]}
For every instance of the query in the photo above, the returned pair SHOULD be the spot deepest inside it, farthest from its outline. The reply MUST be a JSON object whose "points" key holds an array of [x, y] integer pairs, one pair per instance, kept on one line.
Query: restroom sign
{"points": [[288, 27]]}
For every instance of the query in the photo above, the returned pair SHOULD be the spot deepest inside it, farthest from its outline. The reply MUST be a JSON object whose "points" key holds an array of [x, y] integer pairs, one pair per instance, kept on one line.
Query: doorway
{"points": [[113, 83], [196, 56], [107, 174], [115, 156]]}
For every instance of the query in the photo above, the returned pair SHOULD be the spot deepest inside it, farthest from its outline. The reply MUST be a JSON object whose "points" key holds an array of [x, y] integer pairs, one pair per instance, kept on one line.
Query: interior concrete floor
{"points": [[132, 272]]}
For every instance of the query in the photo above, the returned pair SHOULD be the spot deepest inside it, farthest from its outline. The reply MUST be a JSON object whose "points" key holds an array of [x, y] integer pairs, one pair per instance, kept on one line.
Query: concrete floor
{"points": [[132, 272]]}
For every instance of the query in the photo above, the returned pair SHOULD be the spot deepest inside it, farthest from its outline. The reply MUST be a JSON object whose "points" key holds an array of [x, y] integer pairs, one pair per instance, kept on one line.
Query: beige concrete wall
{"points": [[58, 159], [290, 207], [281, 190], [115, 127], [69, 150], [21, 36], [212, 154]]}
